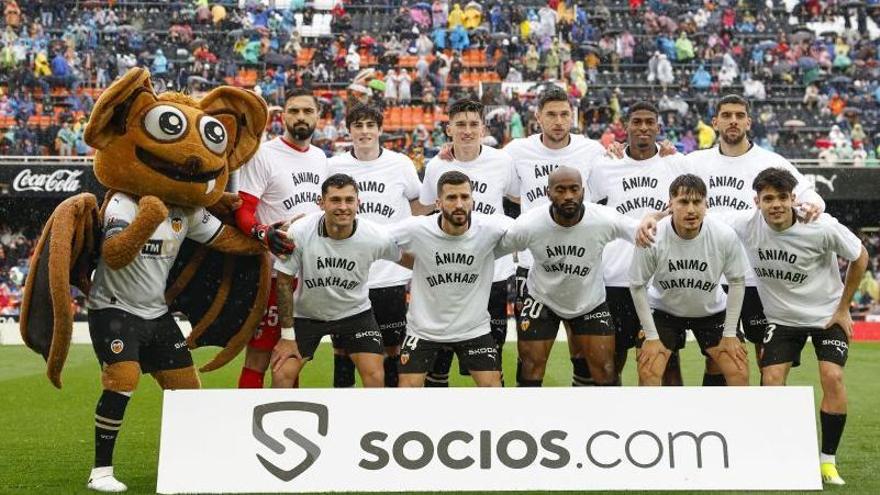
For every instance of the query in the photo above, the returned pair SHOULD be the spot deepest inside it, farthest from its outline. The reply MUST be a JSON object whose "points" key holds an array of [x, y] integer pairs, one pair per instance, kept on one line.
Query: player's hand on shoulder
{"points": [[274, 238], [667, 148], [615, 150], [282, 351], [445, 153], [648, 228], [807, 212]]}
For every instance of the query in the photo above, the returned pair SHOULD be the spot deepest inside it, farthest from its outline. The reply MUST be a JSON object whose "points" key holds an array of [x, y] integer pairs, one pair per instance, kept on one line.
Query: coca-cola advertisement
{"points": [[47, 180]]}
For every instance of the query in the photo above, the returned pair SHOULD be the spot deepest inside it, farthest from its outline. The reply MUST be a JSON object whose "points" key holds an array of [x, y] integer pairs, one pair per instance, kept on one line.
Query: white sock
{"points": [[100, 472], [826, 459]]}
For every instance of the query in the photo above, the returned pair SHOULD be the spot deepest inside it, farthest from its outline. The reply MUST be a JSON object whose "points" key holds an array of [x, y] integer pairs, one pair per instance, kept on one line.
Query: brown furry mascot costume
{"points": [[165, 159]]}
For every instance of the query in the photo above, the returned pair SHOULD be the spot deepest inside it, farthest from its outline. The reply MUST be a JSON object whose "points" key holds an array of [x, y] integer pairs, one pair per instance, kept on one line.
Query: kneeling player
{"points": [[565, 283], [452, 275], [684, 268], [332, 260]]}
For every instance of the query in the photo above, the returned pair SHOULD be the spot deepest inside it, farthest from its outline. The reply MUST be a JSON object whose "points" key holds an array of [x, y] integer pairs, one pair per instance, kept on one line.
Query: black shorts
{"points": [[477, 354], [521, 275], [156, 344], [498, 310], [389, 308], [672, 329], [538, 322], [623, 316], [752, 315], [783, 344], [356, 333]]}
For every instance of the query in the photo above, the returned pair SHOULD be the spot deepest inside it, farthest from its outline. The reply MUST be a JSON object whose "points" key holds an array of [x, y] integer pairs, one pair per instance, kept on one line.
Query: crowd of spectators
{"points": [[811, 67]]}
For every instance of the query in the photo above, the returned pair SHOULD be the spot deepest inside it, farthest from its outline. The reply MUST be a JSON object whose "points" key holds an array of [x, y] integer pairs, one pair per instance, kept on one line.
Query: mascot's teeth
{"points": [[210, 186]]}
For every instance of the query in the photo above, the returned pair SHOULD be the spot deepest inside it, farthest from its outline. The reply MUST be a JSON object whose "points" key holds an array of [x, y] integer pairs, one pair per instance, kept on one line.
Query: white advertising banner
{"points": [[318, 440]]}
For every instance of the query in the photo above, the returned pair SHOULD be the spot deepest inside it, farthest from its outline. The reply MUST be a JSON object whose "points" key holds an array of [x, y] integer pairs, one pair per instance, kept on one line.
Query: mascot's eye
{"points": [[213, 134], [165, 123]]}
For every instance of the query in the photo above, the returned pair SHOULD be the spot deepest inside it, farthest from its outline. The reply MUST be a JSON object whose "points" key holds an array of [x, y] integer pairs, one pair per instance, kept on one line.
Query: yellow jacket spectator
{"points": [[218, 13], [705, 135], [455, 17], [525, 29], [473, 17], [41, 65]]}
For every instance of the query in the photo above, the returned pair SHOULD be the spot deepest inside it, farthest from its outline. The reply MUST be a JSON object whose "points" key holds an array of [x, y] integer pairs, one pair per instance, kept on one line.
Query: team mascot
{"points": [[154, 248]]}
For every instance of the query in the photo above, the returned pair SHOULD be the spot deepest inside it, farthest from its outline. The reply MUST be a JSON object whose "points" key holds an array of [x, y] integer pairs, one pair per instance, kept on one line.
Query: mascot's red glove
{"points": [[270, 235]]}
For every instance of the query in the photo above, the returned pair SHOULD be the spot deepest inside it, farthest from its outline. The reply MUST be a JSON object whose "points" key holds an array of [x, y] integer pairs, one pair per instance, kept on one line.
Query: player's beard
{"points": [[571, 212], [301, 131], [733, 141], [451, 218]]}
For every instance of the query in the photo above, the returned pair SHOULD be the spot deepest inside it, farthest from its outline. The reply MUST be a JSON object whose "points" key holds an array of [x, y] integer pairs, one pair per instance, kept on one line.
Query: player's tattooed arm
{"points": [[284, 290], [122, 247], [854, 274]]}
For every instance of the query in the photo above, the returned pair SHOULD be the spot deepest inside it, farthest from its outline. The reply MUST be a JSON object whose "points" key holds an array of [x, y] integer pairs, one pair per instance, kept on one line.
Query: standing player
{"points": [[566, 240], [131, 328], [493, 177], [282, 180], [678, 277], [388, 188], [799, 284], [727, 170], [455, 256], [332, 259], [633, 186], [534, 158]]}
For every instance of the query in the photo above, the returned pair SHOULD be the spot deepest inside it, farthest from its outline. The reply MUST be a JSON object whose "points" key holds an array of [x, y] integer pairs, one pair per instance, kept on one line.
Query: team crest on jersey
{"points": [[525, 325], [176, 224], [116, 346], [404, 358]]}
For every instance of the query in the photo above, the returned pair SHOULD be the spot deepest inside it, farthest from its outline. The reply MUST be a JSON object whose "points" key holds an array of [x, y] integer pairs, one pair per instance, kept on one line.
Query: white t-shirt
{"points": [[139, 287], [567, 274], [452, 276], [534, 162], [729, 179], [632, 188], [683, 275], [286, 181], [798, 279], [333, 273], [386, 185], [492, 177]]}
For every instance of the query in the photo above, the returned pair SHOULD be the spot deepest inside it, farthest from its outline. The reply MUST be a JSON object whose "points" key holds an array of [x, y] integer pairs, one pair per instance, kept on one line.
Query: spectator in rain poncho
{"points": [[551, 63], [439, 36], [754, 88], [473, 16], [455, 18], [684, 48], [160, 63], [665, 75], [439, 13], [625, 45], [391, 94], [578, 77], [516, 126], [701, 78], [547, 18], [705, 135], [403, 88], [841, 54], [424, 45], [729, 70], [459, 39], [422, 68]]}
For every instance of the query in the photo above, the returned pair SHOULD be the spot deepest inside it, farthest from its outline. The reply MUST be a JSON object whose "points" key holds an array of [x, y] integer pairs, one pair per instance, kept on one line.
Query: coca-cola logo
{"points": [[61, 180]]}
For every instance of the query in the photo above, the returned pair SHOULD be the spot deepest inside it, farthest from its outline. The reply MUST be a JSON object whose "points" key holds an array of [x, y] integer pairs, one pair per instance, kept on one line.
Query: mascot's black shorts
{"points": [[156, 344]]}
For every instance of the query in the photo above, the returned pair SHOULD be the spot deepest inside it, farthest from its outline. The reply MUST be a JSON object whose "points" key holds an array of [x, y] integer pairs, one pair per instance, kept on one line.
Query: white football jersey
{"points": [[567, 273], [286, 181], [798, 278], [139, 287], [633, 188], [534, 162], [683, 275], [452, 276], [492, 177], [386, 185], [333, 273]]}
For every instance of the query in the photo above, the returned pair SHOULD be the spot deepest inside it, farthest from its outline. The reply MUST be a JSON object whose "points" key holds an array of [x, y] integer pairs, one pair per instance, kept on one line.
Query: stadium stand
{"points": [[810, 67]]}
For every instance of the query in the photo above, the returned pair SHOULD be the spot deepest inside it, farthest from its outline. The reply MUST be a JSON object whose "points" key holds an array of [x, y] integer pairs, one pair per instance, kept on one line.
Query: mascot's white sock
{"points": [[102, 480]]}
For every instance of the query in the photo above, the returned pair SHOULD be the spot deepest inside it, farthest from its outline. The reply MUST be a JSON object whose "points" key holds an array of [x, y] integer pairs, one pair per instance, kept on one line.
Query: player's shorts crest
{"points": [[404, 358], [525, 325], [116, 346], [176, 224]]}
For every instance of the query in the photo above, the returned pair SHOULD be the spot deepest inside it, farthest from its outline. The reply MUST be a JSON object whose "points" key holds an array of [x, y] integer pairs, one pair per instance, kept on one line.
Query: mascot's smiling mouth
{"points": [[178, 172]]}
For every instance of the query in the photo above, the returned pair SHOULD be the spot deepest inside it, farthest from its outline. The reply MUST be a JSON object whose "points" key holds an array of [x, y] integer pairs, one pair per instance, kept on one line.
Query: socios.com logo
{"points": [[313, 451]]}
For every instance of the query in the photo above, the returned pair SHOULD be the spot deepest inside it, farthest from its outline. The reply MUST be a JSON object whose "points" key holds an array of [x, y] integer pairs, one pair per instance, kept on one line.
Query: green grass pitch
{"points": [[46, 435]]}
